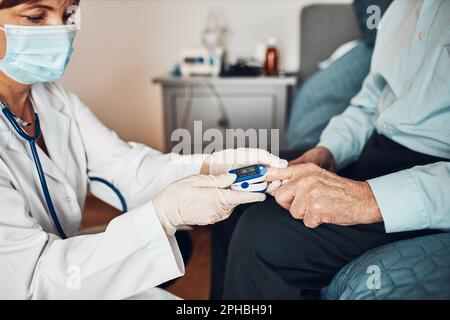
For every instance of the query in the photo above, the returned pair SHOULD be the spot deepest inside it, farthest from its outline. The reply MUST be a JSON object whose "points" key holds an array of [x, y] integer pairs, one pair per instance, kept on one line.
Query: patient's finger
{"points": [[298, 207], [279, 173], [285, 195], [273, 186]]}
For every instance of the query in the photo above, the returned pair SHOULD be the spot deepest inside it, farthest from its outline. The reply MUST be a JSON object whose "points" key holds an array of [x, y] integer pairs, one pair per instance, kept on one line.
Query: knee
{"points": [[256, 225], [263, 244], [266, 232], [244, 267]]}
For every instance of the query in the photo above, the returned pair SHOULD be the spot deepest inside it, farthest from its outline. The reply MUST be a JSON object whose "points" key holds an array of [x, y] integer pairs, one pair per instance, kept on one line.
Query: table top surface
{"points": [[227, 81]]}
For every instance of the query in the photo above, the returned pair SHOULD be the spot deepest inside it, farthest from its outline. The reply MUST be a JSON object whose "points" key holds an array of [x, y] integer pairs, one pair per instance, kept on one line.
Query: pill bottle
{"points": [[271, 65]]}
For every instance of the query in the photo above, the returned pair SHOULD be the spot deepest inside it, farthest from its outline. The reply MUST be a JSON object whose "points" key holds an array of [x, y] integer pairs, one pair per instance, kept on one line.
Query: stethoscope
{"points": [[32, 142]]}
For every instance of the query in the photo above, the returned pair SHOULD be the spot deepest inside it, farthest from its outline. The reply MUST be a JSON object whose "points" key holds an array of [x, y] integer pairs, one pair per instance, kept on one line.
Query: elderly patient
{"points": [[391, 149]]}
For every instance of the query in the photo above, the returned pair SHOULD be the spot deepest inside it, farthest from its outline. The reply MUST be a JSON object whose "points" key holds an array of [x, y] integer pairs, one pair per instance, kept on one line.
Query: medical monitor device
{"points": [[250, 178]]}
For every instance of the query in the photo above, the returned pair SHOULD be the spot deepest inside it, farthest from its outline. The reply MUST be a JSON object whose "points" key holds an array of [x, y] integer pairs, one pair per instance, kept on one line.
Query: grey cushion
{"points": [[417, 268], [325, 94], [323, 28]]}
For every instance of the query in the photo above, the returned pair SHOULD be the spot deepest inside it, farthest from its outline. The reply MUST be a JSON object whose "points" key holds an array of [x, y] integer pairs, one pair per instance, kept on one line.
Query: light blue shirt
{"points": [[406, 97]]}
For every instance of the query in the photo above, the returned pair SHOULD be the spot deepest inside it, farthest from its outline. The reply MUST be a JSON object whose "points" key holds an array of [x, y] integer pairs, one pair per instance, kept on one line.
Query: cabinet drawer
{"points": [[243, 111], [250, 105]]}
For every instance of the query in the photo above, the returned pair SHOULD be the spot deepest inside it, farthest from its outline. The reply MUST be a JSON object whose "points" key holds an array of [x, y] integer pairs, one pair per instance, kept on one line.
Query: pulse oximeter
{"points": [[250, 179]]}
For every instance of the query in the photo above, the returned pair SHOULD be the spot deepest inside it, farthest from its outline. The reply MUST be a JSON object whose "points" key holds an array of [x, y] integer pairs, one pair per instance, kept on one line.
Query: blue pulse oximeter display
{"points": [[250, 178]]}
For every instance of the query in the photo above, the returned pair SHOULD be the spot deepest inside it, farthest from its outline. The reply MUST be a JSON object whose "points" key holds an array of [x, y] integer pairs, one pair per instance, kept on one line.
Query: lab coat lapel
{"points": [[8, 141], [55, 127], [16, 147]]}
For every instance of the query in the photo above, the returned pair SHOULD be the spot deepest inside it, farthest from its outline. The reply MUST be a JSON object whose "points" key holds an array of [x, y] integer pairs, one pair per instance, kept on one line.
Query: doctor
{"points": [[50, 143]]}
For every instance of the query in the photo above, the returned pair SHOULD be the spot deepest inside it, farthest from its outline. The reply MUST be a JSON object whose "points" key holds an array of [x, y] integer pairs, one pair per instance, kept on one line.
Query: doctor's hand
{"points": [[223, 161], [200, 200], [318, 196]]}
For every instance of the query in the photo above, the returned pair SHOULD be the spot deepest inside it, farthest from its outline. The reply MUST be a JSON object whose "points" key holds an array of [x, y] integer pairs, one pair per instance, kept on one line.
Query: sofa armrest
{"points": [[417, 268]]}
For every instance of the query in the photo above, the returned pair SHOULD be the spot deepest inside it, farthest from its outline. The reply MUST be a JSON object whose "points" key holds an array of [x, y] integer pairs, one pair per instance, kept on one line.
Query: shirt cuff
{"points": [[169, 260], [400, 202]]}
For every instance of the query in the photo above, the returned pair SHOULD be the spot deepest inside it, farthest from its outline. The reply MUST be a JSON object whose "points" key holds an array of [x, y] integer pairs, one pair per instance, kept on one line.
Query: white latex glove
{"points": [[200, 200], [223, 161]]}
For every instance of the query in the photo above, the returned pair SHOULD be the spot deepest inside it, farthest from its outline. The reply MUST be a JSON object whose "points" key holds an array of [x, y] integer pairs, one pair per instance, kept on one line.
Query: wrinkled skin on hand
{"points": [[318, 196]]}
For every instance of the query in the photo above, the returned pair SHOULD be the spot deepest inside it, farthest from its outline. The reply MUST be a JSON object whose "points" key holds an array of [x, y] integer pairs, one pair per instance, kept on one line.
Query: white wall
{"points": [[123, 44]]}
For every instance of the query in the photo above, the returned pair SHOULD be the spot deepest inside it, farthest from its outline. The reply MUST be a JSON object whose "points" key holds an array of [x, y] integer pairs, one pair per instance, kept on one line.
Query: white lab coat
{"points": [[132, 256]]}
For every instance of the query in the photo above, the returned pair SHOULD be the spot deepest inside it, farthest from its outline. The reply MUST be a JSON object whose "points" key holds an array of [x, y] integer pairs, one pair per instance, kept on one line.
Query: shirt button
{"points": [[407, 84], [421, 35], [69, 199]]}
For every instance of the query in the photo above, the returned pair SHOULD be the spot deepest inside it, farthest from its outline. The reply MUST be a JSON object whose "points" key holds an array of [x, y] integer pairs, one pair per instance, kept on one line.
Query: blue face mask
{"points": [[37, 54]]}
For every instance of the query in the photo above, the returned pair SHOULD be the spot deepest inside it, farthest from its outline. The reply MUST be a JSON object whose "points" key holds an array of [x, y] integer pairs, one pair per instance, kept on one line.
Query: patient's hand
{"points": [[318, 196], [320, 156]]}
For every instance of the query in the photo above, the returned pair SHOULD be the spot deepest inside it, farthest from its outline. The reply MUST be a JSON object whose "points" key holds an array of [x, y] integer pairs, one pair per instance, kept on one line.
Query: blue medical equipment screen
{"points": [[247, 171]]}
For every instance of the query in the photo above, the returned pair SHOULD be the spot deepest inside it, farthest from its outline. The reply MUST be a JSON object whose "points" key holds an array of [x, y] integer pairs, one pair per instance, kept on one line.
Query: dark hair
{"points": [[5, 4]]}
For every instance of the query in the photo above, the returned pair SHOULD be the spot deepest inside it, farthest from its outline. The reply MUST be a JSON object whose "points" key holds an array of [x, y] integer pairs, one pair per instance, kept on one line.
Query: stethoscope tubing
{"points": [[32, 142], [48, 199], [119, 195]]}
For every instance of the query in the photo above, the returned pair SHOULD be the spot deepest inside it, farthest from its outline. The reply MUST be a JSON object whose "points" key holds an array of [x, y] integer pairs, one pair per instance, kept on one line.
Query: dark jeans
{"points": [[261, 252]]}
